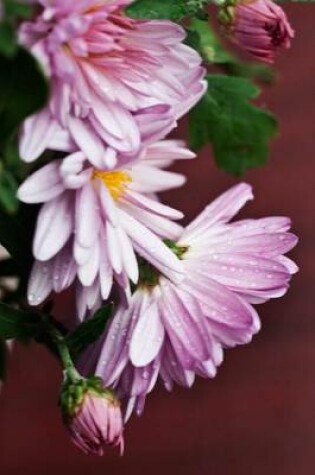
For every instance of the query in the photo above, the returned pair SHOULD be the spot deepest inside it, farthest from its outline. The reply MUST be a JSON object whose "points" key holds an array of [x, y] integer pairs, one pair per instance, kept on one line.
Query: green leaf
{"points": [[17, 324], [17, 9], [10, 12], [23, 91], [239, 131], [8, 45], [202, 38], [89, 331], [166, 9], [157, 9], [12, 161], [8, 190]]}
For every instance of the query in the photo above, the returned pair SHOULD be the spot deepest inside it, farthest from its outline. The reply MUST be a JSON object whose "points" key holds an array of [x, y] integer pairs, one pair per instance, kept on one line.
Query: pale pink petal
{"points": [[43, 185], [40, 283], [54, 227], [147, 337], [36, 135], [87, 219], [151, 248], [221, 210]]}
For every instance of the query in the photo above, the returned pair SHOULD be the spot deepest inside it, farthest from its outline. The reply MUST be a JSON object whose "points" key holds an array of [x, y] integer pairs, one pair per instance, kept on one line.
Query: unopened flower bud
{"points": [[259, 27], [92, 415]]}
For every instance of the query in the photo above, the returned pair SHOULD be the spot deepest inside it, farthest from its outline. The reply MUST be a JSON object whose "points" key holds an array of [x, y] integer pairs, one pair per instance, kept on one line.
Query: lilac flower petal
{"points": [[54, 227], [189, 329], [147, 337], [128, 256], [44, 185], [245, 271], [64, 269], [171, 369], [37, 133], [86, 206], [151, 248], [114, 355], [151, 180], [221, 210], [87, 140], [40, 283], [159, 225]]}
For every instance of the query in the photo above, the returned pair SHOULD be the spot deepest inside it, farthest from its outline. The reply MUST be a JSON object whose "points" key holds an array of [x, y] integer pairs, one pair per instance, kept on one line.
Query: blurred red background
{"points": [[258, 415]]}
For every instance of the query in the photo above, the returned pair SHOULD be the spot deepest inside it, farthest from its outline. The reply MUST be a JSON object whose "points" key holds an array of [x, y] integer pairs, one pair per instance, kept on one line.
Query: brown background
{"points": [[258, 415]]}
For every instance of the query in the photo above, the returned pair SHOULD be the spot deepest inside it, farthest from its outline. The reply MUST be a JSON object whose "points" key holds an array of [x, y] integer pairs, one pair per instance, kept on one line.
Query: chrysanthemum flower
{"points": [[92, 416], [93, 221], [260, 27], [178, 330], [116, 83]]}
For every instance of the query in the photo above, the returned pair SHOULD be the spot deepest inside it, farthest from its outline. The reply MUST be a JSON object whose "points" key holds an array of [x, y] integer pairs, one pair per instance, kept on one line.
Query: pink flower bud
{"points": [[92, 416], [260, 27]]}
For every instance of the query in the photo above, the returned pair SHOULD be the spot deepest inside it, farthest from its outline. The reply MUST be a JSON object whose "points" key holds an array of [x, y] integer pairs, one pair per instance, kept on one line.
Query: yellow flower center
{"points": [[115, 182]]}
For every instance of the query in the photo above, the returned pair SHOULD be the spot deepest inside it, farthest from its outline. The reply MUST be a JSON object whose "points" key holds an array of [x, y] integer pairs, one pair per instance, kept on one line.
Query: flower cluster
{"points": [[182, 295]]}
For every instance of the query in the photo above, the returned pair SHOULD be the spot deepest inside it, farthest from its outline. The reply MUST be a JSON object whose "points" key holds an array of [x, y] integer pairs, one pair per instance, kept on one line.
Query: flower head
{"points": [[179, 330], [116, 83], [94, 221], [92, 415], [260, 27]]}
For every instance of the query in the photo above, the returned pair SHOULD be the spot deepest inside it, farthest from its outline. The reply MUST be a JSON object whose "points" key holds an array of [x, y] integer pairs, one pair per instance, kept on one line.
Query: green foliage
{"points": [[202, 38], [8, 189], [239, 131], [166, 9], [18, 324], [11, 10], [8, 46], [89, 331], [16, 9], [18, 96]]}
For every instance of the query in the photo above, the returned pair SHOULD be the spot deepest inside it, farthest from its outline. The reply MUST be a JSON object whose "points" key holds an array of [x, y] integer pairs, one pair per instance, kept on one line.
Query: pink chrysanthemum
{"points": [[116, 83], [178, 331], [92, 415], [260, 27], [93, 222]]}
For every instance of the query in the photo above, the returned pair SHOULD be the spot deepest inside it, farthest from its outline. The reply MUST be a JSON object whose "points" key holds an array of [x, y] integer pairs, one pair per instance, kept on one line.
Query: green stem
{"points": [[64, 354]]}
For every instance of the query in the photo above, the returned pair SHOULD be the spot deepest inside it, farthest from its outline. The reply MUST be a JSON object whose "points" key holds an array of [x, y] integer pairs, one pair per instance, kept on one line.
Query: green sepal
{"points": [[148, 275], [73, 393], [179, 251]]}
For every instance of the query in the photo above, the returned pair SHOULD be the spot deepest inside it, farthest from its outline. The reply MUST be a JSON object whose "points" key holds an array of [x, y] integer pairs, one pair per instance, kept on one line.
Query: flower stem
{"points": [[64, 354]]}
